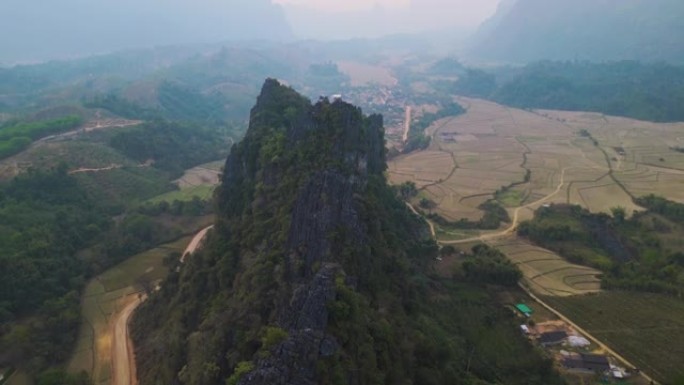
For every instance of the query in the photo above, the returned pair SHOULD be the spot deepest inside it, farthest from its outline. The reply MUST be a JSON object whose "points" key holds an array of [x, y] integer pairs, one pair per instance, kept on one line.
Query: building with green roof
{"points": [[524, 309]]}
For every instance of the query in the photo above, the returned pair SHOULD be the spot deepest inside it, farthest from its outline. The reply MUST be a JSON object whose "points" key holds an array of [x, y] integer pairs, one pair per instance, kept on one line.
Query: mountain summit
{"points": [[317, 273], [595, 30]]}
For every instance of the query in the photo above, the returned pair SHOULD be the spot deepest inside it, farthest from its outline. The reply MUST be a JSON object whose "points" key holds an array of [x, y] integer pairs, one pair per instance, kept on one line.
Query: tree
{"points": [[619, 214]]}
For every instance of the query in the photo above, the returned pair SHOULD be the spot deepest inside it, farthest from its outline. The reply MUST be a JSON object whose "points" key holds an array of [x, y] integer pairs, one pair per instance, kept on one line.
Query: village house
{"points": [[552, 338], [593, 363]]}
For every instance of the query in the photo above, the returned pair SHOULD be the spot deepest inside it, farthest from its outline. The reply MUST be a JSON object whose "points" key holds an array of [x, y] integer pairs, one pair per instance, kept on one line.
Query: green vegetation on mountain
{"points": [[54, 235], [488, 265], [316, 272], [172, 147], [641, 253], [652, 92], [59, 228], [15, 138]]}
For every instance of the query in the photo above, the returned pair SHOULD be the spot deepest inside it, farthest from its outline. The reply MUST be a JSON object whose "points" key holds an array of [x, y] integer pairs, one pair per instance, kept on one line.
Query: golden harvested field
{"points": [[105, 296], [202, 175], [547, 273], [494, 147]]}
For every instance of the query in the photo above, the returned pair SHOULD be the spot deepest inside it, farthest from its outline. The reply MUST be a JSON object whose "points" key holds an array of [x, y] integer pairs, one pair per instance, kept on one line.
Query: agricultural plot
{"points": [[105, 296], [641, 153], [202, 175], [647, 329], [530, 158], [547, 273]]}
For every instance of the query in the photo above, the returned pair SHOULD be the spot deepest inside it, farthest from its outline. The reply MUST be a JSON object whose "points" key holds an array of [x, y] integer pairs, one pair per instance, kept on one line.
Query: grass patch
{"points": [[185, 195], [511, 198]]}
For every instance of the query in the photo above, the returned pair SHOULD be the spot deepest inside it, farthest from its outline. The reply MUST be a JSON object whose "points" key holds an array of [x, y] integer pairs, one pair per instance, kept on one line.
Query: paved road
{"points": [[123, 359]]}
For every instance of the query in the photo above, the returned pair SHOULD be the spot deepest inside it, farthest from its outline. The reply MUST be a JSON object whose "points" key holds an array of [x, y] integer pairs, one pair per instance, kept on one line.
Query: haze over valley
{"points": [[322, 192]]}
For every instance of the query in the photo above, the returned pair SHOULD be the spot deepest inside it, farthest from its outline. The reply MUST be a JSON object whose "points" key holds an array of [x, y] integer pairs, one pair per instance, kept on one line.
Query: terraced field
{"points": [[522, 154], [547, 273]]}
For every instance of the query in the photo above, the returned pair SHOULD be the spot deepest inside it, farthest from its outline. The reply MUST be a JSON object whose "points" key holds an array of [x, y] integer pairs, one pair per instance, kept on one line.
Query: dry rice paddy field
{"points": [[647, 329], [492, 147], [546, 273], [203, 175], [108, 294]]}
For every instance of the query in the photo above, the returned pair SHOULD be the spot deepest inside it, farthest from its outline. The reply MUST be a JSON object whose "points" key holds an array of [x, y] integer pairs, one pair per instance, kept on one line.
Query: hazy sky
{"points": [[334, 19], [44, 29], [359, 18]]}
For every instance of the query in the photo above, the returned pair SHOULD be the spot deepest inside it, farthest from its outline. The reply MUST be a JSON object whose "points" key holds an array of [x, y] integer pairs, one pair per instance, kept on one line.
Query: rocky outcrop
{"points": [[306, 319], [305, 221]]}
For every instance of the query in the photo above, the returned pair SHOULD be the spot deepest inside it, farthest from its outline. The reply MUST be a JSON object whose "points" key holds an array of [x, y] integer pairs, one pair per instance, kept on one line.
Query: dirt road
{"points": [[432, 227], [122, 350], [82, 170], [194, 244], [407, 123], [98, 125], [516, 217], [123, 358]]}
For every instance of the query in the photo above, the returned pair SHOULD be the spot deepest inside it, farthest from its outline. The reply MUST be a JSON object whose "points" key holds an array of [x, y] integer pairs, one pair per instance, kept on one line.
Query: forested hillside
{"points": [[594, 30], [641, 253], [317, 273], [653, 92]]}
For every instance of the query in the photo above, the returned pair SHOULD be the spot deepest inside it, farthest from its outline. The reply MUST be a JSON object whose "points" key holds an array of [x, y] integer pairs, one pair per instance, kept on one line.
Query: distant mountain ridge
{"points": [[32, 30], [596, 30]]}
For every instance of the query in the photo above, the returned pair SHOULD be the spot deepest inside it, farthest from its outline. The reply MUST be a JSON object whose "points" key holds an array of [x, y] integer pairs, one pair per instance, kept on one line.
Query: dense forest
{"points": [[317, 273], [638, 253], [172, 146], [57, 230], [653, 92]]}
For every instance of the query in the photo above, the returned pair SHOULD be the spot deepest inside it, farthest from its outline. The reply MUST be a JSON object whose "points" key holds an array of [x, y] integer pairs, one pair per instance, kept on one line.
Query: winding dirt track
{"points": [[516, 218], [123, 358]]}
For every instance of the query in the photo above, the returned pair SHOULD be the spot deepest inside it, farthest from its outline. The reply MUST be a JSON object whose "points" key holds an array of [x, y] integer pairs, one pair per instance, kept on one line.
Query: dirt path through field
{"points": [[122, 349], [432, 227], [407, 123], [123, 357], [516, 217], [82, 170]]}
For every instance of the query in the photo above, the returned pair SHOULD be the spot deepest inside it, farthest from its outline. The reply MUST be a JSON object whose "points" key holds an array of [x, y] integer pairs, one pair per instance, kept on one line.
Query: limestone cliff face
{"points": [[327, 151], [316, 273], [300, 217]]}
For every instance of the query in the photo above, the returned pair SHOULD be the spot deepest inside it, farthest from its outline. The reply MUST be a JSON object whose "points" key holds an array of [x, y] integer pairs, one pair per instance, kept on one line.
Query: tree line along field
{"points": [[521, 157], [647, 329]]}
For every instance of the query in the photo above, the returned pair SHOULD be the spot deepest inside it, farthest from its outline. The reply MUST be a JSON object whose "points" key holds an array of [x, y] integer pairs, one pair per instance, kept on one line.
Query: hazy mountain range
{"points": [[35, 30], [529, 30]]}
